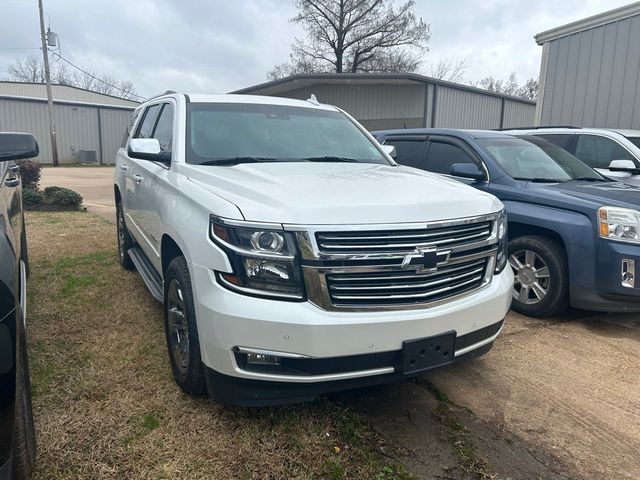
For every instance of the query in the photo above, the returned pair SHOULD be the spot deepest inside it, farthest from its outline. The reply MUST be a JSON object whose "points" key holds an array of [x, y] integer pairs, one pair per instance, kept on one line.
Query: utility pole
{"points": [[45, 56]]}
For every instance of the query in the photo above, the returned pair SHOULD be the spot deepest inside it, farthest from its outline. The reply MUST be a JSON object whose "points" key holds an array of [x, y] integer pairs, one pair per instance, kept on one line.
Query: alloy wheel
{"points": [[178, 328], [532, 278]]}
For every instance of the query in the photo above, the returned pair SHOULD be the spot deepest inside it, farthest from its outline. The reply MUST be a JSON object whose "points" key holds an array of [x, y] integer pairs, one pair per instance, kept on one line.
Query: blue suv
{"points": [[574, 236]]}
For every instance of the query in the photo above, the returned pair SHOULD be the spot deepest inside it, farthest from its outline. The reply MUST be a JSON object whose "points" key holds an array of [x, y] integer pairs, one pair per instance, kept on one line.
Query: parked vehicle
{"points": [[574, 236], [294, 257], [17, 434], [614, 153]]}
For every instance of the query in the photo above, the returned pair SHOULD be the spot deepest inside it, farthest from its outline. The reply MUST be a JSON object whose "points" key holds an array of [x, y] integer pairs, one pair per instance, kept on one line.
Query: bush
{"points": [[31, 197], [62, 197], [30, 173]]}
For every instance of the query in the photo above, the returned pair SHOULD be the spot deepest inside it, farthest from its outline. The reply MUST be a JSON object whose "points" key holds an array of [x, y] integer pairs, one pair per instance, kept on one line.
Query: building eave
{"points": [[587, 23]]}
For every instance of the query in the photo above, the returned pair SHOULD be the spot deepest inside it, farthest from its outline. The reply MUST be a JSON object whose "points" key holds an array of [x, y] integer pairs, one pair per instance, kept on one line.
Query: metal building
{"points": [[89, 125], [384, 101], [590, 71]]}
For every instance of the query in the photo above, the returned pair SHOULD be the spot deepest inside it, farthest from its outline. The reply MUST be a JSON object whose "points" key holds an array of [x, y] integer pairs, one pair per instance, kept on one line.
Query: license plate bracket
{"points": [[426, 353]]}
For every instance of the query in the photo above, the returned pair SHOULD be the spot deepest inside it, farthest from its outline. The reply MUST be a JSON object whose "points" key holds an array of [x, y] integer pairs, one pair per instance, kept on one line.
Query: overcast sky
{"points": [[223, 45]]}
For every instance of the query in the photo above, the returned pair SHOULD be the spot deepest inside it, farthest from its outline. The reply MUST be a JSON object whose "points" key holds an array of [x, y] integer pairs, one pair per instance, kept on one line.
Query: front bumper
{"points": [[228, 320], [609, 294]]}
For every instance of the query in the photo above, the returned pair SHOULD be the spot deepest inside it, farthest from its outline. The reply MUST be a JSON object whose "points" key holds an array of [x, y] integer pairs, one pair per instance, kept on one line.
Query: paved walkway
{"points": [[95, 184]]}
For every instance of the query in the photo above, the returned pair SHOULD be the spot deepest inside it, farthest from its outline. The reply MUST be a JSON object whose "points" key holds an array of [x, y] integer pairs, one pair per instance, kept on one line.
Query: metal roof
{"points": [[590, 22], [61, 93], [292, 82]]}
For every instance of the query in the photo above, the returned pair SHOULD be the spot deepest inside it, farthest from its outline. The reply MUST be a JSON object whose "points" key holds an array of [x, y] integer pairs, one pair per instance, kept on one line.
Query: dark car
{"points": [[17, 435], [574, 236]]}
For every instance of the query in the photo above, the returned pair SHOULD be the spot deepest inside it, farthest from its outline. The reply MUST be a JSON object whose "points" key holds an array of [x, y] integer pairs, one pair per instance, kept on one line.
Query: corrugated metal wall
{"points": [[368, 102], [385, 105], [593, 77], [77, 127], [463, 109]]}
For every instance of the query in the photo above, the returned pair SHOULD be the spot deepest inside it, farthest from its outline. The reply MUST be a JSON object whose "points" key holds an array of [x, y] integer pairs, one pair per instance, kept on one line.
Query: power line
{"points": [[57, 56]]}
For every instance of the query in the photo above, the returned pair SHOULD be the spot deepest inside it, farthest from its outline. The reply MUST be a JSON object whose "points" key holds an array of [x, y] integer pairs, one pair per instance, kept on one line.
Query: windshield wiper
{"points": [[540, 180], [231, 161], [590, 179], [330, 159]]}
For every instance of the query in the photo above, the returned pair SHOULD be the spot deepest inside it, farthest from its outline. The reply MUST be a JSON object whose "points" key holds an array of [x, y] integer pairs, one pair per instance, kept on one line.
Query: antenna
{"points": [[313, 99]]}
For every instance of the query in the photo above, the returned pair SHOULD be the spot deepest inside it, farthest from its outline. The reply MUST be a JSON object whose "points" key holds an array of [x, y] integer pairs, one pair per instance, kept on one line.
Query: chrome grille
{"points": [[401, 287], [398, 241]]}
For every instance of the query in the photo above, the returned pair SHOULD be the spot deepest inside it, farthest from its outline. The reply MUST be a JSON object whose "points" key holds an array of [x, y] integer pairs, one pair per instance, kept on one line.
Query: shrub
{"points": [[31, 196], [30, 173], [62, 197]]}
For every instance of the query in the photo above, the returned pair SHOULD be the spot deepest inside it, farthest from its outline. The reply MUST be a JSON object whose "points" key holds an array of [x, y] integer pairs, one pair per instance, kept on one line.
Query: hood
{"points": [[341, 193], [596, 193]]}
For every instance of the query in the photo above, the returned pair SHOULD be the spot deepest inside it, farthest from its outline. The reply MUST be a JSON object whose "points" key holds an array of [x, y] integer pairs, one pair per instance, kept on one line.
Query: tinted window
{"points": [[219, 131], [599, 152], [409, 152], [531, 158], [635, 141], [148, 122], [443, 155], [561, 140], [164, 128], [130, 125]]}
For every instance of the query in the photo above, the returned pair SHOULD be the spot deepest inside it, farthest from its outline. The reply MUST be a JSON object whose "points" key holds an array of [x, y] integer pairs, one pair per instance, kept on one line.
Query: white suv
{"points": [[613, 153], [294, 257]]}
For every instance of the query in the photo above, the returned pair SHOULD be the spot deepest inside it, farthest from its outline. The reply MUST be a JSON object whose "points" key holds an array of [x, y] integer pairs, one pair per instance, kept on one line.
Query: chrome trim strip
{"points": [[404, 277], [315, 378], [405, 295], [273, 353], [392, 237], [23, 291], [479, 344], [406, 285], [413, 245]]}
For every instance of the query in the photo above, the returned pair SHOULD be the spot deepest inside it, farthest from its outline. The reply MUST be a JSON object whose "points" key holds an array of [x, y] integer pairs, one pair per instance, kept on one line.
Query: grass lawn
{"points": [[105, 402]]}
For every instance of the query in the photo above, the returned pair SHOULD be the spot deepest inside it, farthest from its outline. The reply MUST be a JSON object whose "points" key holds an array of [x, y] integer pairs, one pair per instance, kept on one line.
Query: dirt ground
{"points": [[554, 399]]}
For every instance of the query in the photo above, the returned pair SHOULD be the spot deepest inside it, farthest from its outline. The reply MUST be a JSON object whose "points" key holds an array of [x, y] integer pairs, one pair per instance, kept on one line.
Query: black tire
{"points": [[181, 329], [544, 256], [24, 434], [125, 242]]}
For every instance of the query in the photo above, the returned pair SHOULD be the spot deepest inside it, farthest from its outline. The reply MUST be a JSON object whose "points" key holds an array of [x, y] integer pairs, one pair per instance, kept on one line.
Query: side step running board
{"points": [[147, 272]]}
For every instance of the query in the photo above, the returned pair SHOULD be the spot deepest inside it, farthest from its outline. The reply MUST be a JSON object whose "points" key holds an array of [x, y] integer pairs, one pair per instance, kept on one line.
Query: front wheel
{"points": [[541, 285], [125, 242], [181, 329]]}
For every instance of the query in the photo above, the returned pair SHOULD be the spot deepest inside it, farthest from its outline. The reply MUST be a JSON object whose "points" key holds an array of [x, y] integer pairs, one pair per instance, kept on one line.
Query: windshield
{"points": [[228, 132], [537, 160], [635, 141]]}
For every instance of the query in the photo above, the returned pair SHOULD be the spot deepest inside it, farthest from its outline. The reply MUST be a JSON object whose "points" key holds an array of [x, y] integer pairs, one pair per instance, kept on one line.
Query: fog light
{"points": [[261, 359], [628, 273]]}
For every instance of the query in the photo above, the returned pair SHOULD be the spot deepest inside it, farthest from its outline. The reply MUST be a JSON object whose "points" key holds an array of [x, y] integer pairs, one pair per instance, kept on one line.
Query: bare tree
{"points": [[30, 69], [449, 69], [356, 36], [510, 86]]}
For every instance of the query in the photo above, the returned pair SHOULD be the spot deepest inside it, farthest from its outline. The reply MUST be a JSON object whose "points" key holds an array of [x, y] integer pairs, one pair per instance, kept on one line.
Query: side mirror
{"points": [[390, 150], [147, 149], [466, 170], [16, 146], [623, 166]]}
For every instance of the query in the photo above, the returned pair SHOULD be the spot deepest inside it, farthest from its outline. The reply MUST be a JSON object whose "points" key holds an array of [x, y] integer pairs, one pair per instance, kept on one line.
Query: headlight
{"points": [[501, 232], [265, 261], [621, 224]]}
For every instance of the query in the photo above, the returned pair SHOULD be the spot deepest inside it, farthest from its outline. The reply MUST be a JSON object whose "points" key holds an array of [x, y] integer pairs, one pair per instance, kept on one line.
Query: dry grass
{"points": [[105, 402]]}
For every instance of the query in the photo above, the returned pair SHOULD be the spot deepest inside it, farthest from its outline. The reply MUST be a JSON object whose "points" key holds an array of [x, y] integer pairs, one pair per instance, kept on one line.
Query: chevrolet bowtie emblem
{"points": [[425, 259]]}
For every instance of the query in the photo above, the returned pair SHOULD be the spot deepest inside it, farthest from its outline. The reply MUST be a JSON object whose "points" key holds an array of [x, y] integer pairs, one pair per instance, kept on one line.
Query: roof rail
{"points": [[168, 92], [536, 128]]}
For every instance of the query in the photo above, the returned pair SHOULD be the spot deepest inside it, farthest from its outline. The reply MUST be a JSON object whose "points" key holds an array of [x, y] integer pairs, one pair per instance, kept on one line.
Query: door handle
{"points": [[14, 168], [12, 182], [137, 178], [124, 167]]}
